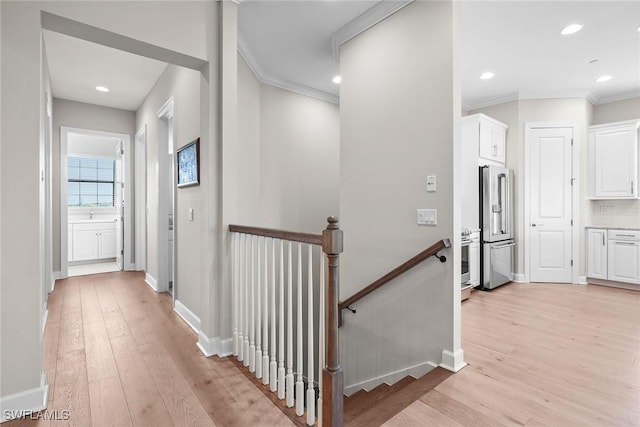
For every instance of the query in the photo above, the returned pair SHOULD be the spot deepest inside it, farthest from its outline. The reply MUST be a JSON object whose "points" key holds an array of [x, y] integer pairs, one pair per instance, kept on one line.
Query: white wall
{"points": [[399, 107], [184, 86], [517, 114], [185, 27], [290, 146], [624, 213], [83, 116]]}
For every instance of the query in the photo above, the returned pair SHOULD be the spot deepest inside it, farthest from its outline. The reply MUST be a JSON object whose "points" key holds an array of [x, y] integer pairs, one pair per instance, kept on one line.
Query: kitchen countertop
{"points": [[613, 227], [91, 221]]}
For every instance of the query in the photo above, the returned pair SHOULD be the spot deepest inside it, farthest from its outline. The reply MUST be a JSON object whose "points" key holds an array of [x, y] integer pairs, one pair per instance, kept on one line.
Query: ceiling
{"points": [[293, 44], [77, 67]]}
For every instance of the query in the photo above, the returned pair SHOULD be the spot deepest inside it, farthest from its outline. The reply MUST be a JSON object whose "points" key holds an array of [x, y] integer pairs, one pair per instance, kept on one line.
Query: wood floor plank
{"points": [[182, 403], [100, 361], [71, 391], [142, 395], [115, 324], [417, 413], [108, 403]]}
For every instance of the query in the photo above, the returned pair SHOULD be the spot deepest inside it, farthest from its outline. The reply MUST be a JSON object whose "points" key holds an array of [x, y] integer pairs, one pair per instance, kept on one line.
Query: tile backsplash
{"points": [[623, 213]]}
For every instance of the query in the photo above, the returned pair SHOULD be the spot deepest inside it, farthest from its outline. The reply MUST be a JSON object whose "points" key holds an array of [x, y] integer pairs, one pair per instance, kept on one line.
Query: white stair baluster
{"points": [[240, 297], [259, 312], [289, 380], [265, 317], [234, 289], [321, 347], [252, 309], [281, 371], [245, 296], [273, 365], [300, 382], [311, 392]]}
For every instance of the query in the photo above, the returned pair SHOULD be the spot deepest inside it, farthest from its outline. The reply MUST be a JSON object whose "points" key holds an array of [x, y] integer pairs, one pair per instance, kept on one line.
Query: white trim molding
{"points": [[188, 316], [378, 13], [518, 278], [582, 280], [453, 361], [54, 276], [151, 281], [26, 402], [263, 77], [415, 371], [214, 346]]}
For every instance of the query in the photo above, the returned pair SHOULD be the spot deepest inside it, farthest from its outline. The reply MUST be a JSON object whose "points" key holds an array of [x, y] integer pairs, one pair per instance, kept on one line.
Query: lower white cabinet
{"points": [[597, 253], [92, 241], [624, 261], [613, 255]]}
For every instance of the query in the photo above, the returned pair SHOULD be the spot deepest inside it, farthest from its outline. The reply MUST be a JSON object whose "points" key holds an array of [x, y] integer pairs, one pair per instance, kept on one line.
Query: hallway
{"points": [[116, 354]]}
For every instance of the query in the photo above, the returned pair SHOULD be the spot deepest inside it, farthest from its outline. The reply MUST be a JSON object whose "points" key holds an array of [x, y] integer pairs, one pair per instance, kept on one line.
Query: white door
{"points": [[119, 202], [550, 200]]}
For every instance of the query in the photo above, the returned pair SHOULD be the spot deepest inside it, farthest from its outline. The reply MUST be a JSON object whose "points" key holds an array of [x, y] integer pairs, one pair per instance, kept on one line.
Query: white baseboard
{"points": [[188, 316], [215, 346], [390, 378], [453, 361], [130, 266], [26, 402], [582, 280], [54, 276], [149, 280], [518, 278]]}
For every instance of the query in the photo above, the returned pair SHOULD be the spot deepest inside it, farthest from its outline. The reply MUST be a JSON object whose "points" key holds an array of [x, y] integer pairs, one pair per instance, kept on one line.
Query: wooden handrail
{"points": [[429, 252], [313, 239]]}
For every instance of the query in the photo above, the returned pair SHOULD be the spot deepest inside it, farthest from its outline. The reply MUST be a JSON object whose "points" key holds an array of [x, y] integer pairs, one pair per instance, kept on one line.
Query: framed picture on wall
{"points": [[188, 161]]}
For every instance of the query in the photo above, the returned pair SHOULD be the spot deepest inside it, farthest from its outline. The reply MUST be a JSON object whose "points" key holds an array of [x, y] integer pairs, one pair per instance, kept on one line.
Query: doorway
{"points": [[94, 202], [141, 199], [550, 203], [166, 199]]}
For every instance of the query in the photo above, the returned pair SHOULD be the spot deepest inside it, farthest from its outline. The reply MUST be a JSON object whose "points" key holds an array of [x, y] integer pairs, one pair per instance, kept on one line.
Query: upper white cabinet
{"points": [[613, 160], [483, 143], [493, 139]]}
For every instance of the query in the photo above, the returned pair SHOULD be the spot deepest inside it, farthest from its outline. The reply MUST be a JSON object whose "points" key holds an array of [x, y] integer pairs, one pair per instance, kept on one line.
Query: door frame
{"points": [[575, 195], [166, 141], [64, 244], [140, 154]]}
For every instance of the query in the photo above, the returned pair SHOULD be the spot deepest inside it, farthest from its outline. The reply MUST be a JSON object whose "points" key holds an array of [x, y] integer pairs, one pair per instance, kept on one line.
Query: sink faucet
{"points": [[91, 214]]}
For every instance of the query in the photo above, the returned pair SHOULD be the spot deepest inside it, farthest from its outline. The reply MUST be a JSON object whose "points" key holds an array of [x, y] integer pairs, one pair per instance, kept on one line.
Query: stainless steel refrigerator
{"points": [[496, 222]]}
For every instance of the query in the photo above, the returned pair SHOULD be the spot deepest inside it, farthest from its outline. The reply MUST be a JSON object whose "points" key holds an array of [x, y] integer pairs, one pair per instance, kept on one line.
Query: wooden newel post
{"points": [[333, 387]]}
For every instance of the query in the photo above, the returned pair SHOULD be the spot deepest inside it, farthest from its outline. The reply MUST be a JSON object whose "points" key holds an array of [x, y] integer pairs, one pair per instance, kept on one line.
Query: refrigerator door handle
{"points": [[508, 245]]}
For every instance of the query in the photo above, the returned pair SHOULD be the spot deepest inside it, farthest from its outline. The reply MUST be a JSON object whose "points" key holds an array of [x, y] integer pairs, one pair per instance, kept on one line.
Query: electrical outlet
{"points": [[427, 216]]}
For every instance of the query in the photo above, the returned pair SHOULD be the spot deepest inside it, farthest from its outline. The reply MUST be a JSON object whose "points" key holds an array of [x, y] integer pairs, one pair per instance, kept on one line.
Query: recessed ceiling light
{"points": [[337, 80], [487, 75], [571, 29], [604, 78], [102, 89]]}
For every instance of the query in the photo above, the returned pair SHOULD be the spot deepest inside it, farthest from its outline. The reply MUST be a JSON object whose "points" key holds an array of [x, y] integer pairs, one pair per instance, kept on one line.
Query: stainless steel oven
{"points": [[465, 274]]}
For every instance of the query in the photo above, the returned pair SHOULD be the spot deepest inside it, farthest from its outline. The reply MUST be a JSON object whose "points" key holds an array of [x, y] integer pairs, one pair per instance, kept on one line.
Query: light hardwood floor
{"points": [[541, 354], [556, 355], [116, 355]]}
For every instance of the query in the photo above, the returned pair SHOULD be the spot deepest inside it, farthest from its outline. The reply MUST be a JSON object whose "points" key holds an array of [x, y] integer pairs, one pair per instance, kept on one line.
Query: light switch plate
{"points": [[427, 216], [431, 184], [190, 214]]}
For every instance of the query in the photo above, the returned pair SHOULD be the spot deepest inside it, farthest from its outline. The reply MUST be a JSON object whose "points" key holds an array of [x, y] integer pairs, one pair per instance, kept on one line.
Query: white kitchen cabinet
{"points": [[624, 256], [474, 259], [613, 160], [483, 143], [597, 253], [93, 241], [493, 138]]}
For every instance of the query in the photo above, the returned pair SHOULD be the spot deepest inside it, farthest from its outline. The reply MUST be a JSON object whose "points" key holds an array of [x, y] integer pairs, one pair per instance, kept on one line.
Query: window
{"points": [[91, 182]]}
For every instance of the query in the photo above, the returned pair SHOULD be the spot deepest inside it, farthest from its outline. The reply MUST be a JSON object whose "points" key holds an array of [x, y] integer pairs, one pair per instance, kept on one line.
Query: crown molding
{"points": [[490, 102], [263, 77], [363, 22], [619, 97]]}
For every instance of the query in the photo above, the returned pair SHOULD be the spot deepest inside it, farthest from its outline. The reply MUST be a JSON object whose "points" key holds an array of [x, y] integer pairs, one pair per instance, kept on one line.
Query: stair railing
{"points": [[406, 266], [263, 295]]}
